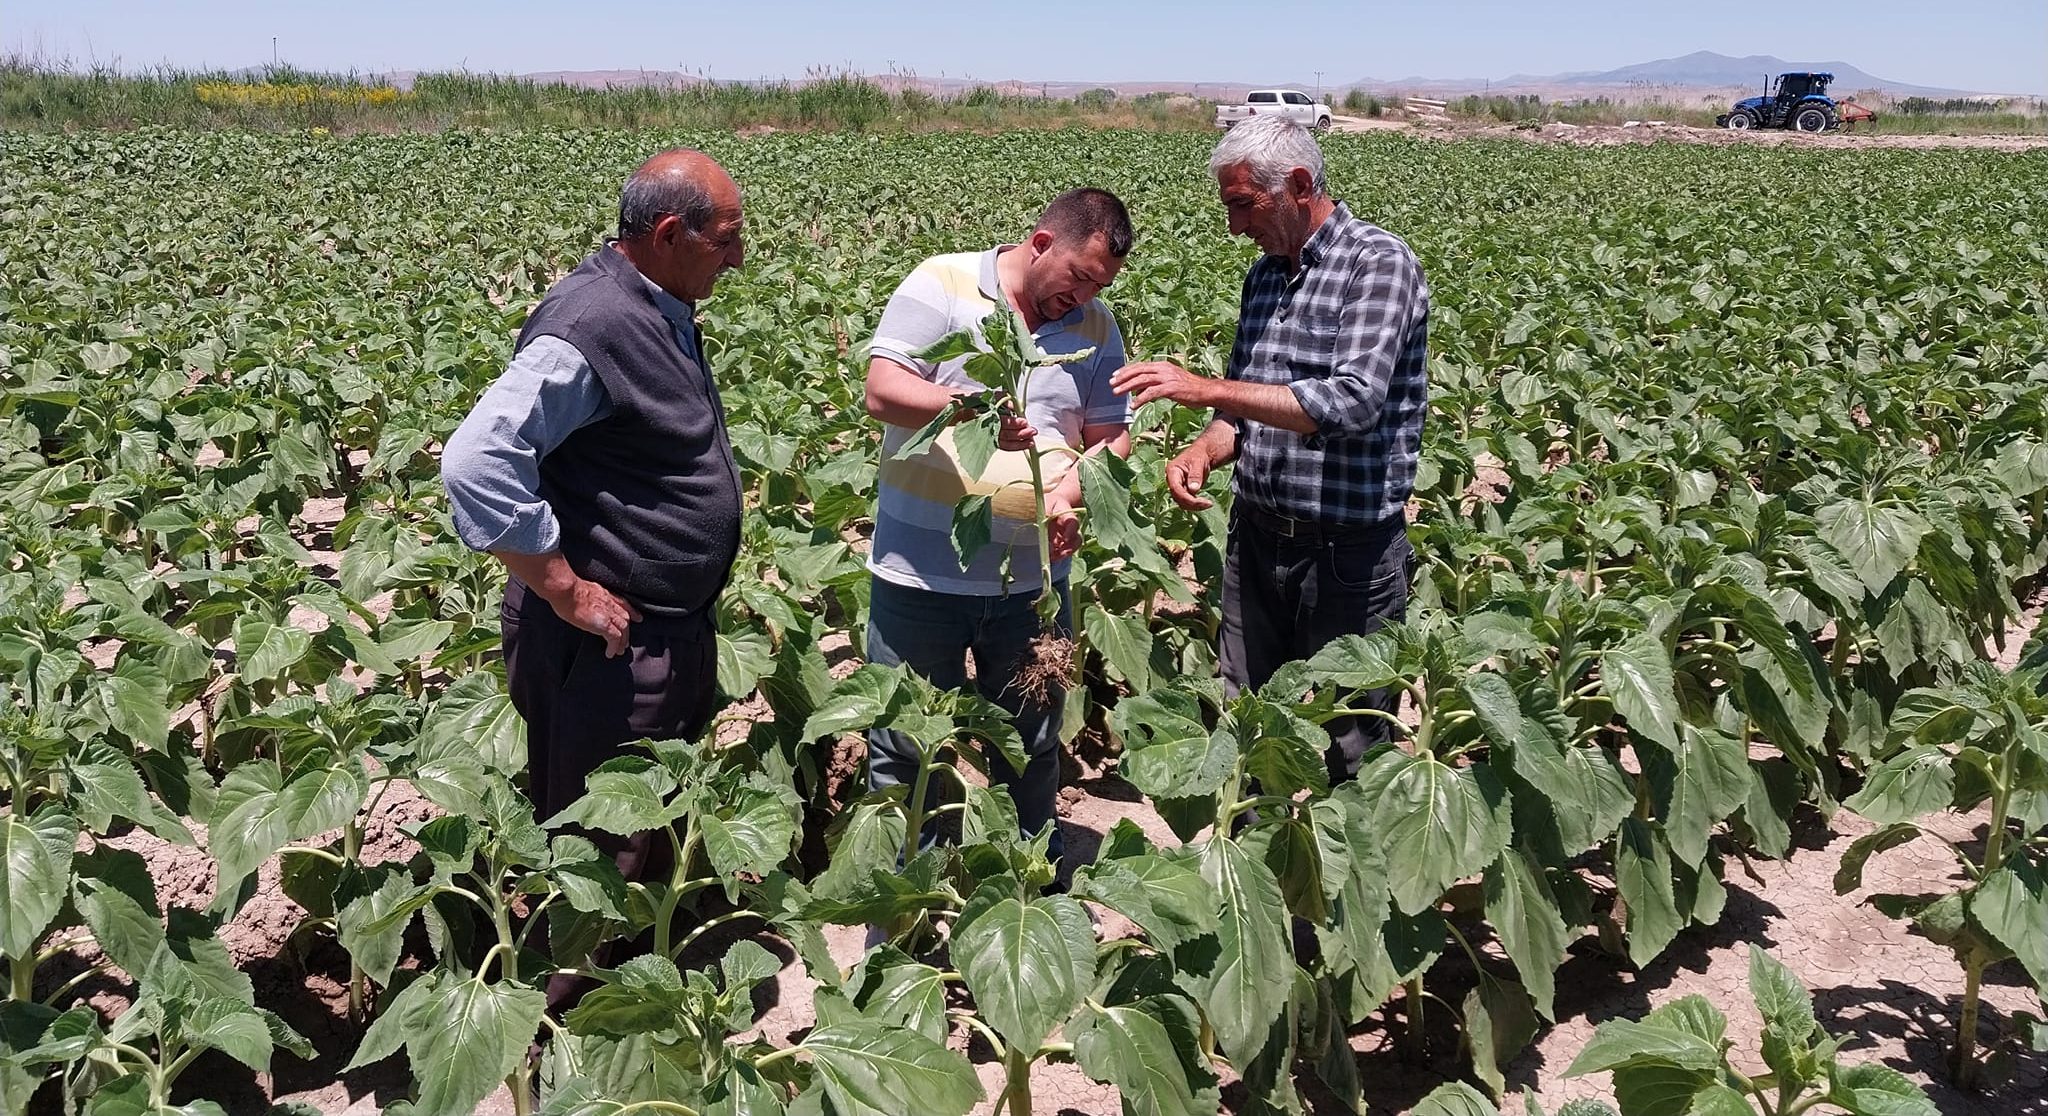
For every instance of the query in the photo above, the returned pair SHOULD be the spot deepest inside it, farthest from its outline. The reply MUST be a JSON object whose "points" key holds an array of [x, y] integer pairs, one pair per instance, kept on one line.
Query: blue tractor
{"points": [[1800, 101]]}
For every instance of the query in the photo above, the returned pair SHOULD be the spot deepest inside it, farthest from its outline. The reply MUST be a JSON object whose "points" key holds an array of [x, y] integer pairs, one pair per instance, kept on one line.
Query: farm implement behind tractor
{"points": [[1851, 114], [1798, 101]]}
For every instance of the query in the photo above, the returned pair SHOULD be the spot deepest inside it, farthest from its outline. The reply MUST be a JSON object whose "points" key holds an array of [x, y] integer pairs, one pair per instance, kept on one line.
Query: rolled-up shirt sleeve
{"points": [[1385, 294], [491, 464]]}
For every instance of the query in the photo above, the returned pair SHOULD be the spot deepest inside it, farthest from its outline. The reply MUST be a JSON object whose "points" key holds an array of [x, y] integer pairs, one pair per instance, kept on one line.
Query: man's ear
{"points": [[668, 229], [1300, 183], [1041, 241]]}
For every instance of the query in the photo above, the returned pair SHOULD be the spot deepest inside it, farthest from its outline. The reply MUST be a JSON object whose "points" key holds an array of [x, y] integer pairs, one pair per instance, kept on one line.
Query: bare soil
{"points": [[1894, 993]]}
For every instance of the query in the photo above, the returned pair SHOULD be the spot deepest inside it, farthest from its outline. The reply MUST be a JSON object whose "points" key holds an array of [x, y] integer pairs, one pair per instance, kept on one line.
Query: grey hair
{"points": [[1271, 146], [651, 195]]}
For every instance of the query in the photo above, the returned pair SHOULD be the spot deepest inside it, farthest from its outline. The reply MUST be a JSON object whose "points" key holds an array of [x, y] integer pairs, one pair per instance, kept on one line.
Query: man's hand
{"points": [[1162, 379], [1185, 476], [596, 610], [584, 604], [1062, 526], [1016, 434]]}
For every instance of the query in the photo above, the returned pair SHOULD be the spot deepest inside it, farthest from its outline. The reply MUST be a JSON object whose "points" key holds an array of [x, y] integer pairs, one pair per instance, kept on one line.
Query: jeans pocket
{"points": [[1368, 565]]}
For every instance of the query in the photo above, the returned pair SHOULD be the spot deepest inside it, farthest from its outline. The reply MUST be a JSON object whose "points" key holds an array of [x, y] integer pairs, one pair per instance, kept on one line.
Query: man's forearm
{"points": [[584, 604], [911, 406], [900, 397], [1272, 404], [1217, 442], [546, 574]]}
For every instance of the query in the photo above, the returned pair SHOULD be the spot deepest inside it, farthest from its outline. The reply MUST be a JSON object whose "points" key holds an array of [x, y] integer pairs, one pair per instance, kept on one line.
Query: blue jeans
{"points": [[933, 634]]}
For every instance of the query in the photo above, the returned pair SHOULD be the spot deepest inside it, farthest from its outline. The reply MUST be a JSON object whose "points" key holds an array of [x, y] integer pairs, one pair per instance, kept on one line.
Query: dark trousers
{"points": [[1285, 596], [582, 709], [933, 634]]}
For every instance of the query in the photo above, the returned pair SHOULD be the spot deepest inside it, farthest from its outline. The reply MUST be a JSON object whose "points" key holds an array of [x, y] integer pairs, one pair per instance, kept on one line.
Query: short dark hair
{"points": [[656, 191], [1087, 212]]}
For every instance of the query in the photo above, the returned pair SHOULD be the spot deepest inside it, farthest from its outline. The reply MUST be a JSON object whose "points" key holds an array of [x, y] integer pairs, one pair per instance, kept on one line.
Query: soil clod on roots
{"points": [[1047, 665]]}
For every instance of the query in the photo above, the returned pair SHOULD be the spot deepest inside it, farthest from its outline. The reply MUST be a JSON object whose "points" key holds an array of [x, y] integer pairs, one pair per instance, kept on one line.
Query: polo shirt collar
{"points": [[991, 288]]}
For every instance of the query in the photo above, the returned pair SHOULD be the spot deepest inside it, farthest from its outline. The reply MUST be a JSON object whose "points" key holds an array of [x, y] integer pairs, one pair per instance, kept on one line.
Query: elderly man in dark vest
{"points": [[597, 469]]}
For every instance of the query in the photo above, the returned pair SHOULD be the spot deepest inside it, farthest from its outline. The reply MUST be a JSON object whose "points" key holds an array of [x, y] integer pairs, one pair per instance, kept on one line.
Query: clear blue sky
{"points": [[1991, 45]]}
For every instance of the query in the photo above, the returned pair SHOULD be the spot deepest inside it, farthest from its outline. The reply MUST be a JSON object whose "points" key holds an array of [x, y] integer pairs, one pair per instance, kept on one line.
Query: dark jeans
{"points": [[582, 709], [933, 634], [1285, 597]]}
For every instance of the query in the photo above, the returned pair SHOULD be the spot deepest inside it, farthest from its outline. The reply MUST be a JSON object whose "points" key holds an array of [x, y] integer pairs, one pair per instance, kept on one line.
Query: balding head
{"points": [[681, 182], [680, 222]]}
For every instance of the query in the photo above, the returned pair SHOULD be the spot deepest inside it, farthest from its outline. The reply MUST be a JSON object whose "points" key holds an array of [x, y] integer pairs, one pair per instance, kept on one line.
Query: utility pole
{"points": [[273, 52], [1319, 85]]}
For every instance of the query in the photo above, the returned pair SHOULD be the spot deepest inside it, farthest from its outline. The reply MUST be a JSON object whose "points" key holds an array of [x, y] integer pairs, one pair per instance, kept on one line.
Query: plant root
{"points": [[1048, 663]]}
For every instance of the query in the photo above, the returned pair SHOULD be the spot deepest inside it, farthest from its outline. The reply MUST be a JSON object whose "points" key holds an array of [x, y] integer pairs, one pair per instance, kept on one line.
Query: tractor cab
{"points": [[1792, 88], [1797, 100]]}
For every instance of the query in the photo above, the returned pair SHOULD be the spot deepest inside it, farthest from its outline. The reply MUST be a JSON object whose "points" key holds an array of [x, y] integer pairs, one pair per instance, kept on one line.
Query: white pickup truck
{"points": [[1290, 103]]}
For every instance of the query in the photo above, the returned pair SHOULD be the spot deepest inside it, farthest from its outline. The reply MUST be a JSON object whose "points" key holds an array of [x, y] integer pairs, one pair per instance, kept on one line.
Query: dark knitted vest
{"points": [[648, 497]]}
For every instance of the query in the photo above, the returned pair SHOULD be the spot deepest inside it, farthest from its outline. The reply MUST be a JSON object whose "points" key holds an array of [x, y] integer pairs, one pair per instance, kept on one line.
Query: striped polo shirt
{"points": [[913, 544]]}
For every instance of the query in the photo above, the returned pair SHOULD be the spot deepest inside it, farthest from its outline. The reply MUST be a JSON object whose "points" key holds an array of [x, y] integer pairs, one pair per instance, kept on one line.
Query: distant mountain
{"points": [[1705, 68], [1700, 70]]}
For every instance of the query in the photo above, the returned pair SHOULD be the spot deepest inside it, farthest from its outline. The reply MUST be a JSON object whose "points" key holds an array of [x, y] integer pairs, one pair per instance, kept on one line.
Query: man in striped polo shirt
{"points": [[929, 611]]}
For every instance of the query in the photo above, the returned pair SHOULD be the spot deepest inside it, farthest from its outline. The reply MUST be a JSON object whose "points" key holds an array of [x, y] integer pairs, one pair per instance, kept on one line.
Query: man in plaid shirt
{"points": [[1321, 411]]}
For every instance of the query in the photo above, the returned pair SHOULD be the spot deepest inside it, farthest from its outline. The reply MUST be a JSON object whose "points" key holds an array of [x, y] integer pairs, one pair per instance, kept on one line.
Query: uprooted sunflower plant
{"points": [[1006, 360]]}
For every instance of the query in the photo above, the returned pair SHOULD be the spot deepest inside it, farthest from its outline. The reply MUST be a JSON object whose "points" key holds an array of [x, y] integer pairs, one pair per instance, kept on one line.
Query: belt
{"points": [[1288, 527]]}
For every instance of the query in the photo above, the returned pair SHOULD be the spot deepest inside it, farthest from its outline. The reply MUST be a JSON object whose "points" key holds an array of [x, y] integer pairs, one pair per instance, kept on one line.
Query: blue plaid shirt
{"points": [[1347, 332]]}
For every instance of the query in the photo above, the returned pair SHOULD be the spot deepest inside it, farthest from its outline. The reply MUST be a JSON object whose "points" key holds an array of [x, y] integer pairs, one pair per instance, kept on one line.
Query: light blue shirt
{"points": [[491, 464]]}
